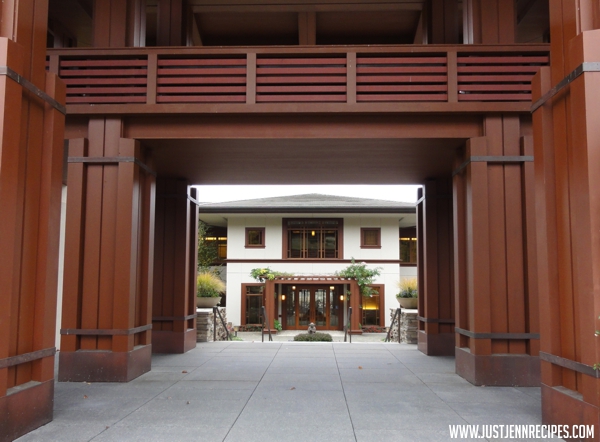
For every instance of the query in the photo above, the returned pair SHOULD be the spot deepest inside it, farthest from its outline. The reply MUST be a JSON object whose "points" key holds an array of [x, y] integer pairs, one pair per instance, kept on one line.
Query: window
{"points": [[217, 238], [408, 250], [255, 237], [370, 238], [252, 302], [312, 238], [373, 308]]}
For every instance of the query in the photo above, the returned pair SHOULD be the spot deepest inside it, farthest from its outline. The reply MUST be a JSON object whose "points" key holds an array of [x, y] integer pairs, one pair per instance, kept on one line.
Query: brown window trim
{"points": [[243, 311], [381, 289], [362, 238], [340, 248], [255, 246]]}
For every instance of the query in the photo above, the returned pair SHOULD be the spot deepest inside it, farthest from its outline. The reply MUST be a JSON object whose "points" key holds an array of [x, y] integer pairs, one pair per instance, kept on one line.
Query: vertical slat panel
{"points": [[533, 313], [152, 79], [251, 79], [74, 245], [49, 231], [181, 255], [515, 235], [127, 214], [478, 238], [93, 238], [351, 78], [497, 232], [461, 306], [452, 77], [108, 253]]}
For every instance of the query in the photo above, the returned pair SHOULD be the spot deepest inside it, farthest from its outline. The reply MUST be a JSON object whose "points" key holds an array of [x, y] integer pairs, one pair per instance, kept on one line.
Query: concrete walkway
{"points": [[283, 391]]}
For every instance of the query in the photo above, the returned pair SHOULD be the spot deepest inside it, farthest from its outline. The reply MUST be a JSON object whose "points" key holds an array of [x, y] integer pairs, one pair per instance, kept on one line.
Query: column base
{"points": [[505, 370], [561, 406], [26, 408], [173, 342], [104, 366], [440, 344]]}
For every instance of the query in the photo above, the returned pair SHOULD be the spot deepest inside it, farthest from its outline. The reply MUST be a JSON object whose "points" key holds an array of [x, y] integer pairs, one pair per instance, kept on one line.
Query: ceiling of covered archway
{"points": [[304, 161]]}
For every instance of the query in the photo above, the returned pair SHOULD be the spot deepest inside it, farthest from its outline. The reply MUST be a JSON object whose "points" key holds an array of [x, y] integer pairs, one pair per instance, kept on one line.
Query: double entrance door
{"points": [[319, 304]]}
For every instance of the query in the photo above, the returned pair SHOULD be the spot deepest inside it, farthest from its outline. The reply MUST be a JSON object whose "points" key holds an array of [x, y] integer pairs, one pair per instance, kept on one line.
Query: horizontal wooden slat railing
{"points": [[263, 77]]}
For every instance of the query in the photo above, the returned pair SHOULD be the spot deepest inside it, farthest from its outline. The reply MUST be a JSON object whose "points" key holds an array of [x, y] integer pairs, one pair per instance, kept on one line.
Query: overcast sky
{"points": [[213, 194]]}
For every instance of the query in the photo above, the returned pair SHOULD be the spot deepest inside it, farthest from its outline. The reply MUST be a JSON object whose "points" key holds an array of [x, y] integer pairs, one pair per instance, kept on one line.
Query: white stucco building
{"points": [[312, 235]]}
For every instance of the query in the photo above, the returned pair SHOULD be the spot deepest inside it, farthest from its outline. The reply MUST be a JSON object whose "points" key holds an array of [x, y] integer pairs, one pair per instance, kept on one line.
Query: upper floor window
{"points": [[312, 238], [255, 237], [212, 244], [370, 238]]}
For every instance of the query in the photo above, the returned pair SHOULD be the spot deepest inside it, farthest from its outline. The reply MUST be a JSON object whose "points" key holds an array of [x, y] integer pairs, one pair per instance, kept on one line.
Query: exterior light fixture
{"points": [[293, 287], [312, 233], [341, 297], [283, 297], [331, 287]]}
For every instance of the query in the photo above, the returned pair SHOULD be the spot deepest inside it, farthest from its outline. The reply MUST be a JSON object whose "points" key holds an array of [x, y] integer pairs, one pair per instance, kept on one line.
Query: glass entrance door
{"points": [[318, 304]]}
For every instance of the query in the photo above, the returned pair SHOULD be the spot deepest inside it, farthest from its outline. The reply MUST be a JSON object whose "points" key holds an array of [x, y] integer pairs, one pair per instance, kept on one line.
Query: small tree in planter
{"points": [[210, 288], [364, 276]]}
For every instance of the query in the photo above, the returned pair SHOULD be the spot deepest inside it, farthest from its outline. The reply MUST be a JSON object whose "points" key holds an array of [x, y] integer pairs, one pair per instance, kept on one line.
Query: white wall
{"points": [[238, 273]]}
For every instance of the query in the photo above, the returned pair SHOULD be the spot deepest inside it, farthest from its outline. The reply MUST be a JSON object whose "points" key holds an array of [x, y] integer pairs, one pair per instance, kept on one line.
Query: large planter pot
{"points": [[410, 303], [207, 302]]}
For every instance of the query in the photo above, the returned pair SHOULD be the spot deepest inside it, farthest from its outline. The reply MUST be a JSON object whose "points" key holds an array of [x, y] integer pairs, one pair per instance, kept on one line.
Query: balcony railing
{"points": [[265, 77]]}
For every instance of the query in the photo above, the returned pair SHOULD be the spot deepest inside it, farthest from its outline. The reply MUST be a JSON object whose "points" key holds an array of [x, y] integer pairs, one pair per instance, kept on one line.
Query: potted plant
{"points": [[210, 287], [408, 294]]}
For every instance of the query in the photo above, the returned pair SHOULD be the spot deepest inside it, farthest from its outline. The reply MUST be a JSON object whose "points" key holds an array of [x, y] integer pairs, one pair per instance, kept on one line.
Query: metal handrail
{"points": [[216, 310], [349, 321], [265, 319], [396, 315]]}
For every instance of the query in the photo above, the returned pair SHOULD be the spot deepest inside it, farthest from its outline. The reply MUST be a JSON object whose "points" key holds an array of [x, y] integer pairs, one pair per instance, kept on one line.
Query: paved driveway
{"points": [[284, 391]]}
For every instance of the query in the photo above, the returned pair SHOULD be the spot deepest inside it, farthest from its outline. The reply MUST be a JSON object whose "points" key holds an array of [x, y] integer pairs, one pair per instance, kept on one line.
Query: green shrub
{"points": [[306, 337]]}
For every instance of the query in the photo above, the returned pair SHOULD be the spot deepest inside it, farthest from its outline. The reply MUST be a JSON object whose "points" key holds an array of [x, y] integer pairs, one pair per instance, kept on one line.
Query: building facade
{"points": [[286, 235]]}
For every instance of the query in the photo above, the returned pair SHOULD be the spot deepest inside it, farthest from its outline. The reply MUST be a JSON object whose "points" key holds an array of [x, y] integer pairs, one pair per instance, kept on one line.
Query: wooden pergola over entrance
{"points": [[299, 281]]}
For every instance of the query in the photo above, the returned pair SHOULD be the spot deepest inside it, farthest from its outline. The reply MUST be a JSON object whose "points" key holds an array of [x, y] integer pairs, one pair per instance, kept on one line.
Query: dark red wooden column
{"points": [[497, 340], [106, 328], [175, 260], [171, 23], [489, 22], [567, 170], [355, 303], [269, 304], [31, 151], [119, 23], [436, 272], [443, 23]]}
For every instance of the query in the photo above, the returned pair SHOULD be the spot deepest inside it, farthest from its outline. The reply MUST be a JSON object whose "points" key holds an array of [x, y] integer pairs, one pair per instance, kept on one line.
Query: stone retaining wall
{"points": [[408, 326], [204, 325]]}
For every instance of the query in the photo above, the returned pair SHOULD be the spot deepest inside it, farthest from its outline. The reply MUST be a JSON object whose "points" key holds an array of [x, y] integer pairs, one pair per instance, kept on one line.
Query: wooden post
{"points": [[174, 297], [269, 303], [436, 289], [31, 150], [489, 22], [108, 258], [495, 344], [355, 303], [568, 221]]}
